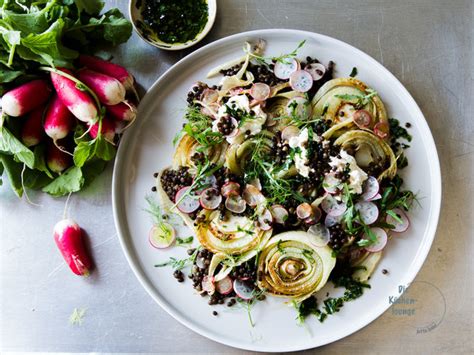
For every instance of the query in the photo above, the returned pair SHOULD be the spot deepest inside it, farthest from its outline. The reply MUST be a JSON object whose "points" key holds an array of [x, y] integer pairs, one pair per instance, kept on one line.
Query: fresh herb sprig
{"points": [[180, 264], [361, 100], [248, 304], [284, 58]]}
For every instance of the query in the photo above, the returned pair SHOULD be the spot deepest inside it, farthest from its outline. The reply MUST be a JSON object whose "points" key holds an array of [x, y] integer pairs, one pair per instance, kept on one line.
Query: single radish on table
{"points": [[79, 102], [114, 70], [109, 90], [56, 159], [107, 130], [32, 132], [58, 121], [25, 98], [122, 111], [70, 241]]}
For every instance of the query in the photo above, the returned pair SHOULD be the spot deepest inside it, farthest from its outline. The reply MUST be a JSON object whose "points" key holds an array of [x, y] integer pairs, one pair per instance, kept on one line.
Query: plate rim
{"points": [[417, 262]]}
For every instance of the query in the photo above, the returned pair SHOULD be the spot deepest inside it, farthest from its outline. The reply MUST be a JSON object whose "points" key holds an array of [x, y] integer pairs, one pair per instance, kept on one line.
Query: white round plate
{"points": [[147, 148]]}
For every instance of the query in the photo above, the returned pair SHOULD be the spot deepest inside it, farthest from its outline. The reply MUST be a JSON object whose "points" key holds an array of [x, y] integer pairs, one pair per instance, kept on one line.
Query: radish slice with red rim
{"points": [[320, 235], [210, 199], [301, 81], [283, 70], [209, 96], [330, 221], [376, 197], [200, 262], [368, 211], [381, 240], [289, 132], [185, 202], [304, 210], [333, 207], [256, 182], [224, 286], [253, 196], [243, 289], [162, 235], [265, 220], [401, 224], [316, 70], [260, 91], [299, 107], [382, 129], [331, 183], [208, 285], [206, 182], [279, 213], [235, 203], [229, 188], [371, 188], [362, 118]]}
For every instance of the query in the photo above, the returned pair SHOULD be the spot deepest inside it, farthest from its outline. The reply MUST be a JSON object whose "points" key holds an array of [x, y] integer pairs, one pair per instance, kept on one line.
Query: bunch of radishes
{"points": [[93, 96]]}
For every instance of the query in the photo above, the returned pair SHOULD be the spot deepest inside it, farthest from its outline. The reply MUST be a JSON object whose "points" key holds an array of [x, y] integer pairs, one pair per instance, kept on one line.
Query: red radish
{"points": [[289, 132], [330, 220], [256, 182], [243, 290], [56, 159], [283, 70], [279, 213], [331, 206], [260, 91], [70, 241], [107, 130], [265, 220], [184, 202], [376, 197], [331, 183], [114, 70], [315, 217], [32, 132], [109, 90], [208, 285], [58, 121], [299, 107], [210, 199], [320, 235], [25, 98], [381, 241], [371, 189], [224, 286], [235, 203], [382, 129], [399, 225], [301, 81], [252, 196], [304, 210], [122, 111], [79, 102], [368, 211], [316, 70], [362, 118], [230, 187], [162, 235], [209, 96]]}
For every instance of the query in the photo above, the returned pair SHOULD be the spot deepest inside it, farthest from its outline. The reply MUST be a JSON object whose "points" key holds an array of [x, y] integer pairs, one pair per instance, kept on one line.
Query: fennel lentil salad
{"points": [[288, 178]]}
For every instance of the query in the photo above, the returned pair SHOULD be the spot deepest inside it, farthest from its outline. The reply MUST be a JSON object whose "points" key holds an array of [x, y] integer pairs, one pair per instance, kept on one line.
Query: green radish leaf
{"points": [[10, 144], [8, 75], [70, 181], [35, 179], [91, 7], [40, 161], [1, 173], [104, 149], [13, 172], [83, 152], [92, 169], [33, 22]]}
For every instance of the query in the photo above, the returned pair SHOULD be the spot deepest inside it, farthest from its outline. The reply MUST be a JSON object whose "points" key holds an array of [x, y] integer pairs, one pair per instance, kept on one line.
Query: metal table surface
{"points": [[426, 44]]}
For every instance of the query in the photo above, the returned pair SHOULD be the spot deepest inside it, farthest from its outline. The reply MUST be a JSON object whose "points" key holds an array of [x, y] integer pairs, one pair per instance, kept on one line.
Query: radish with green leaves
{"points": [[32, 132], [58, 121], [25, 98], [109, 90], [107, 130], [56, 159], [70, 242], [77, 100], [124, 111], [114, 70]]}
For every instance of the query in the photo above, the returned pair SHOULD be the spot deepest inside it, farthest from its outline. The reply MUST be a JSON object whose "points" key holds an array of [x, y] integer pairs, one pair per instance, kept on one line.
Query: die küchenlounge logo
{"points": [[420, 305]]}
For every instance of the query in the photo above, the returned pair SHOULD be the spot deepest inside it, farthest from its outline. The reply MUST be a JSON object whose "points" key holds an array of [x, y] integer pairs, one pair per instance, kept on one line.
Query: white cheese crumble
{"points": [[356, 175], [301, 157]]}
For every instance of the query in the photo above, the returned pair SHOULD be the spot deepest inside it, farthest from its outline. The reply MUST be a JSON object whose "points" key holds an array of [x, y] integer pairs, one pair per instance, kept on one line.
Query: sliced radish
{"points": [[330, 220], [317, 214], [230, 187], [304, 210], [320, 235], [283, 70], [243, 289], [265, 220], [371, 188], [209, 96], [301, 81], [333, 207], [252, 196], [289, 132], [382, 129], [381, 236], [376, 197], [162, 235], [299, 107], [368, 211], [399, 226], [256, 182], [331, 183], [208, 285], [206, 182], [362, 118], [224, 286], [279, 213], [200, 262], [210, 199], [260, 91], [235, 203], [185, 202], [316, 70]]}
